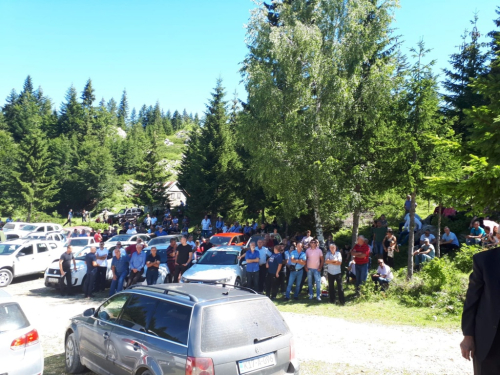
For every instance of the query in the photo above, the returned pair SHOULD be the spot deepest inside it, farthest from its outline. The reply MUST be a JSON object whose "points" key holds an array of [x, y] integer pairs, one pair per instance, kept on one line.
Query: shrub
{"points": [[95, 226], [463, 258]]}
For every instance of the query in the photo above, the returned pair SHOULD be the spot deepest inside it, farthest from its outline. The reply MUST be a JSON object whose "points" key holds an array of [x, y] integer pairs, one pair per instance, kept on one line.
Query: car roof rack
{"points": [[234, 286], [164, 291]]}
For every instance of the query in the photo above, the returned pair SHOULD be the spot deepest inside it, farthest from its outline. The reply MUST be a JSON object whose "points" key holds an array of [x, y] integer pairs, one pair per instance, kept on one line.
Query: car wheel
{"points": [[5, 277], [72, 356], [237, 282]]}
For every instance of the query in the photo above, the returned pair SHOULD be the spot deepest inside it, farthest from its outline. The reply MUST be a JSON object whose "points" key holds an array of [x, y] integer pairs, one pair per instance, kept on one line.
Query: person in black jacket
{"points": [[481, 315]]}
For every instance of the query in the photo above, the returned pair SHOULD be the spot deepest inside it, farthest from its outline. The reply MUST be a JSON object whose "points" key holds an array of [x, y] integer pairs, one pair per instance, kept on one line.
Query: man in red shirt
{"points": [[361, 254], [98, 236]]}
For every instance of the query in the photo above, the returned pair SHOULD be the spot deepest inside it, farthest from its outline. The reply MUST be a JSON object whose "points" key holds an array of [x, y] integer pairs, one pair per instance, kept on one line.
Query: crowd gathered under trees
{"points": [[336, 115]]}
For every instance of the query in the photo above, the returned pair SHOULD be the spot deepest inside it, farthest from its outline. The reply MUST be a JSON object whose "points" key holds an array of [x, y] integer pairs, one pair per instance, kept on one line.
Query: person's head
{"points": [[446, 230], [139, 247], [139, 240], [292, 247], [262, 225], [75, 231], [93, 249], [252, 246], [360, 240], [101, 245], [389, 231], [332, 248], [408, 197], [330, 237], [172, 241], [147, 215], [153, 250], [378, 223], [382, 217], [285, 241], [427, 232], [299, 247], [426, 242], [99, 231], [117, 253], [184, 240], [308, 233], [314, 244], [190, 238], [277, 249], [118, 245], [197, 243], [267, 237], [275, 231], [380, 262], [206, 217], [487, 229], [69, 249], [476, 224], [82, 231]]}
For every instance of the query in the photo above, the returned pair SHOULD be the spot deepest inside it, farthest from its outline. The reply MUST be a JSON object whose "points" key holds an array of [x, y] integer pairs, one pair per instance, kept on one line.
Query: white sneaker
{"points": [[318, 298], [310, 296]]}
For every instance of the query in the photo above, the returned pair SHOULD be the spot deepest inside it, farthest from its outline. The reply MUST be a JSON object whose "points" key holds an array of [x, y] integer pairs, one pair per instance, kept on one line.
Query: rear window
{"points": [[10, 226], [78, 241], [233, 325], [12, 317]]}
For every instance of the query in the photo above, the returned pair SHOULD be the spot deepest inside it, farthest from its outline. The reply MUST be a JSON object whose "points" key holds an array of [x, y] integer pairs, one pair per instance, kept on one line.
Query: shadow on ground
{"points": [[54, 365]]}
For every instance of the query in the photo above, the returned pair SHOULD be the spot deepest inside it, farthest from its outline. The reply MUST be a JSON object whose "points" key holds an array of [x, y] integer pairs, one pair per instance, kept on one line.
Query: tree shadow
{"points": [[54, 365]]}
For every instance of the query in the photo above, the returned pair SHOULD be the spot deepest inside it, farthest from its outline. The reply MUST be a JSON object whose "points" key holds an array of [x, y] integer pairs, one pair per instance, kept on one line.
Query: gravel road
{"points": [[343, 344]]}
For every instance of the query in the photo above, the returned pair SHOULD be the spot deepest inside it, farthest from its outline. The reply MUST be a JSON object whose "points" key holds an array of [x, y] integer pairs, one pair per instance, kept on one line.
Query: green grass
{"points": [[387, 311]]}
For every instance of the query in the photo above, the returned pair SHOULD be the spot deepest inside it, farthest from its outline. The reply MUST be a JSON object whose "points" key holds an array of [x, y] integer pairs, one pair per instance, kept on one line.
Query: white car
{"points": [[35, 227], [78, 243], [127, 239], [24, 257], [218, 265], [53, 273], [49, 236], [163, 241], [13, 226], [20, 348]]}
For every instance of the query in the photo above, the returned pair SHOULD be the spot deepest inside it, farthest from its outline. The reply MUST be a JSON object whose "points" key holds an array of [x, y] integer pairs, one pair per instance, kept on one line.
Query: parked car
{"points": [[257, 237], [78, 243], [69, 231], [164, 240], [181, 329], [48, 236], [221, 239], [20, 348], [217, 265], [25, 257], [53, 273], [26, 229], [13, 226], [126, 214], [127, 239]]}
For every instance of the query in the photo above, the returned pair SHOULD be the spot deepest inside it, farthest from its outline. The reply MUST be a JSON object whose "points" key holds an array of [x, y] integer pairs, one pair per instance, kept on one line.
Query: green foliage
{"points": [[96, 226], [463, 258]]}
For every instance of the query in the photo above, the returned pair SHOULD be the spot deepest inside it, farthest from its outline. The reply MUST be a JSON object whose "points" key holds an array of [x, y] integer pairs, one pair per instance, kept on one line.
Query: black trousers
{"points": [[445, 249], [133, 277], [271, 285], [491, 364], [262, 277], [282, 281], [68, 288], [332, 279], [100, 279], [88, 288], [253, 280], [178, 271]]}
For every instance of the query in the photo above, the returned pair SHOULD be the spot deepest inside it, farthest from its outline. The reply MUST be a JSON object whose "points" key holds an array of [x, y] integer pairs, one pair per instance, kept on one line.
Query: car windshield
{"points": [[7, 249], [80, 255], [29, 228], [161, 253], [78, 241], [9, 226], [160, 241], [223, 258], [122, 211], [12, 317], [219, 240], [121, 237]]}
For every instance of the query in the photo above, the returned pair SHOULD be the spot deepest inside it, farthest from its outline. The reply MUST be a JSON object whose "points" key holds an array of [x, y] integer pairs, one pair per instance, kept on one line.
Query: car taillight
{"points": [[25, 340], [199, 366], [292, 349]]}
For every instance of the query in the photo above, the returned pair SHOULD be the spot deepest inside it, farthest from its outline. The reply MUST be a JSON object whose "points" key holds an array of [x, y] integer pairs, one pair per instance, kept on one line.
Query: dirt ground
{"points": [[324, 345]]}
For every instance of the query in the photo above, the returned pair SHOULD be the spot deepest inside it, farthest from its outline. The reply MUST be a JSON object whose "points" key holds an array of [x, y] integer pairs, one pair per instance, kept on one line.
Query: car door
{"points": [[24, 260], [96, 332], [128, 343], [42, 257]]}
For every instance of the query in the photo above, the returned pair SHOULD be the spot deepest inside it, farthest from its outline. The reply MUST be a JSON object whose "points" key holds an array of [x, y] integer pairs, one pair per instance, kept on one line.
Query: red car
{"points": [[221, 239]]}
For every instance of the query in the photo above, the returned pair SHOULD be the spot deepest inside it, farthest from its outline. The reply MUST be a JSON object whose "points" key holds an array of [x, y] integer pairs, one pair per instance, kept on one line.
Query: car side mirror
{"points": [[21, 254], [89, 312]]}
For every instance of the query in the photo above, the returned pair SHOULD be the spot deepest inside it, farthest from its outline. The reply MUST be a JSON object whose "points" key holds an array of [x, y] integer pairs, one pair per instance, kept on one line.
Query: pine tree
{"points": [[466, 65], [88, 96], [27, 87], [176, 121], [151, 178], [35, 187], [210, 163], [123, 111], [112, 107], [71, 114]]}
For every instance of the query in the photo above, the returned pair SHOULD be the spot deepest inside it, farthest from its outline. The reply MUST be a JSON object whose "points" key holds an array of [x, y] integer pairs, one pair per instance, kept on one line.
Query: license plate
{"points": [[53, 280], [256, 363]]}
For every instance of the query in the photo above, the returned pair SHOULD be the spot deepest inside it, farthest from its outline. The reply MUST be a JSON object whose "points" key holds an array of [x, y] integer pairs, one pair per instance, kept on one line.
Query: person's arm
{"points": [[60, 267], [472, 300], [278, 270], [74, 264], [113, 269], [322, 263], [189, 259]]}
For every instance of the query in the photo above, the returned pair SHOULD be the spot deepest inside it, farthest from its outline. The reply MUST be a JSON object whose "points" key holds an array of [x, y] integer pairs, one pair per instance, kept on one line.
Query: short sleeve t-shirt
{"points": [[430, 238], [89, 259], [274, 261], [100, 253], [314, 258], [66, 258], [477, 232], [379, 233], [452, 237], [252, 267], [183, 253], [263, 254], [362, 249], [334, 269], [385, 270]]}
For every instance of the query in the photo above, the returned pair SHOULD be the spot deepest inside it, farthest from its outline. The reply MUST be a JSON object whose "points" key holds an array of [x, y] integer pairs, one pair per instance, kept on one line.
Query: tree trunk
{"points": [[438, 245], [317, 220], [30, 209], [411, 235], [355, 226], [263, 218]]}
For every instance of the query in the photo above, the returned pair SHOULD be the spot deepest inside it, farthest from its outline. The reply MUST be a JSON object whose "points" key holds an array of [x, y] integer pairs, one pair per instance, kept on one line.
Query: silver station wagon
{"points": [[188, 329]]}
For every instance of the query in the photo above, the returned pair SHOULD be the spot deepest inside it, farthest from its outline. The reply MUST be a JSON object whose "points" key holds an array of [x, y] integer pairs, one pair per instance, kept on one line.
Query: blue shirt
{"points": [[232, 229], [252, 267], [274, 261], [452, 237], [479, 231], [254, 226], [138, 261], [296, 255], [247, 229], [219, 224], [263, 254], [237, 229], [121, 265], [162, 233]]}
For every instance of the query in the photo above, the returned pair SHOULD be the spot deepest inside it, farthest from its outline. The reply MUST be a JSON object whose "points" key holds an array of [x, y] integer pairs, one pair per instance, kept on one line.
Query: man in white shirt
{"points": [[205, 226], [307, 240], [333, 260], [154, 220], [383, 276], [427, 235], [132, 230], [403, 239], [102, 267]]}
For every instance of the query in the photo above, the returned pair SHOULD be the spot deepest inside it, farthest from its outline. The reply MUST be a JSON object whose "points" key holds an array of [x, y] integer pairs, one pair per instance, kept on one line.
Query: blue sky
{"points": [[171, 51]]}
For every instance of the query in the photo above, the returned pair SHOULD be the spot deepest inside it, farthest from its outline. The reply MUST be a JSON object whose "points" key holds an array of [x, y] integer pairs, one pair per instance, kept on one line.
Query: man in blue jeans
{"points": [[361, 254], [252, 259], [297, 260], [119, 267], [314, 265]]}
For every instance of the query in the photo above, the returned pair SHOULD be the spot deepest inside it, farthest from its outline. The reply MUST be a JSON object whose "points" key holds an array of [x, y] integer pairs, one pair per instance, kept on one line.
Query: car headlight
{"points": [[226, 280]]}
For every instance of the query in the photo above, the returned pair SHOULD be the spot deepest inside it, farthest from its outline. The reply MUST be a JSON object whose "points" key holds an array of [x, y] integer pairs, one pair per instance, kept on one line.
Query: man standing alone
{"points": [[205, 226], [70, 216], [65, 268], [481, 315]]}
